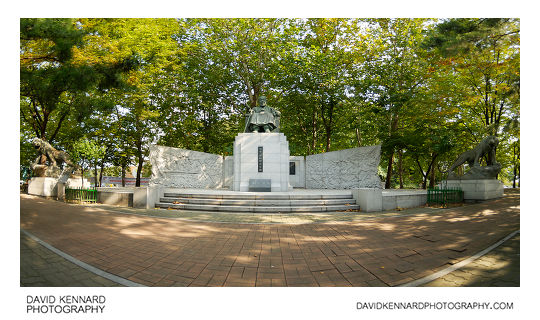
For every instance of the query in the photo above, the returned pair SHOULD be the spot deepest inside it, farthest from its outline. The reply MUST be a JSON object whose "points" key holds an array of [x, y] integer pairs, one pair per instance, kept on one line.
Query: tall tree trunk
{"points": [[424, 174], [519, 174], [358, 138], [400, 168], [82, 173], [96, 175], [100, 175], [328, 139], [101, 167], [432, 176], [139, 171], [430, 169], [313, 133], [328, 121], [387, 183], [393, 127], [514, 180], [140, 164]]}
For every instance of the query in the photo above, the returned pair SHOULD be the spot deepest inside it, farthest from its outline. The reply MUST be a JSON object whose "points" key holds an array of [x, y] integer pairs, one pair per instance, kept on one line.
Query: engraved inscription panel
{"points": [[260, 159]]}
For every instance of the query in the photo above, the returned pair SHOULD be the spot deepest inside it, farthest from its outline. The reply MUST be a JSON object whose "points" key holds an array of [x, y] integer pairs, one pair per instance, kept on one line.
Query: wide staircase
{"points": [[282, 202]]}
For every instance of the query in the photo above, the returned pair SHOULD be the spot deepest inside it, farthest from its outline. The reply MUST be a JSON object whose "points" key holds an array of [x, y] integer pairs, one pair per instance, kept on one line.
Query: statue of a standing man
{"points": [[263, 118]]}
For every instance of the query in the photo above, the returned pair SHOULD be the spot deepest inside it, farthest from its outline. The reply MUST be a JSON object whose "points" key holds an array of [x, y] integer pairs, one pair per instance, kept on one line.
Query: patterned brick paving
{"points": [[41, 267], [165, 252], [498, 268]]}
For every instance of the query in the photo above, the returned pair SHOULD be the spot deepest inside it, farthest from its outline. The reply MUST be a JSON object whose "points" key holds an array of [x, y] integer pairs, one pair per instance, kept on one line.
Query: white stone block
{"points": [[228, 171], [140, 197], [477, 189], [147, 197], [275, 160], [43, 186], [369, 199]]}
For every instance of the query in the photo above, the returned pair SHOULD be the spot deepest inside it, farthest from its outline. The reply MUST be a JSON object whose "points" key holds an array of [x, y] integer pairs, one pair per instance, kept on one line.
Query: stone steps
{"points": [[258, 202], [257, 196]]}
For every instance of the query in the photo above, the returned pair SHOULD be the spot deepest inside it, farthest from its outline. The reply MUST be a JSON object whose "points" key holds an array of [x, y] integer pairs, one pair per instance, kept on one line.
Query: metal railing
{"points": [[81, 195], [444, 196]]}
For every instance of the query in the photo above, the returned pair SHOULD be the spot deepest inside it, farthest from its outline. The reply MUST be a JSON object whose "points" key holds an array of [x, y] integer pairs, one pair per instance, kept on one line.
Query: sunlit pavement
{"points": [[499, 268], [198, 249]]}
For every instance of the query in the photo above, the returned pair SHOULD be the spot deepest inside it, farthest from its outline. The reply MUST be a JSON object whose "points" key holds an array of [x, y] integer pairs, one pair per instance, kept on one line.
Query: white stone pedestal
{"points": [[147, 197], [43, 186], [477, 189], [48, 186], [275, 160]]}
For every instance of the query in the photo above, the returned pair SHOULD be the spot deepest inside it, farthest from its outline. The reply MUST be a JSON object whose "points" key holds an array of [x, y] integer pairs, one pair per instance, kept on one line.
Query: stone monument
{"points": [[261, 153], [50, 179], [479, 182]]}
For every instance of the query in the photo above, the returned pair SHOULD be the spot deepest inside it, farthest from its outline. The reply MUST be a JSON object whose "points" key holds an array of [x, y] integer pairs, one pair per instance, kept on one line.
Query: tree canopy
{"points": [[425, 89]]}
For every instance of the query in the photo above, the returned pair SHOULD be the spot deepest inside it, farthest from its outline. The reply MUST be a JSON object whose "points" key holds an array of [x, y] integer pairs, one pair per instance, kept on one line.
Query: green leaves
{"points": [[87, 151], [426, 89]]}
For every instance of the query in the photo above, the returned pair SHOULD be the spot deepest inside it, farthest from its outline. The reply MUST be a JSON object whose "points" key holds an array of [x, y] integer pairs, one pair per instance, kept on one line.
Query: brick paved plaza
{"points": [[355, 249]]}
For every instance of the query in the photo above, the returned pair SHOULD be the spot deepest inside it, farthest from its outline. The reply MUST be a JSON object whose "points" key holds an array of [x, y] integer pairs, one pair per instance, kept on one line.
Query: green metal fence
{"points": [[444, 196], [81, 195]]}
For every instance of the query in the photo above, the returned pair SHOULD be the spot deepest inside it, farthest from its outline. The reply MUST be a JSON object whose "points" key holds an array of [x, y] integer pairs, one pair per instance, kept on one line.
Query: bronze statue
{"points": [[488, 147], [263, 118]]}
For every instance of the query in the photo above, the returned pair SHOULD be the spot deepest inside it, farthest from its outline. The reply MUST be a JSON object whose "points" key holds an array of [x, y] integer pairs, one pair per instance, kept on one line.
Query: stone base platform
{"points": [[477, 189], [43, 186], [298, 200], [48, 186], [275, 202], [373, 200]]}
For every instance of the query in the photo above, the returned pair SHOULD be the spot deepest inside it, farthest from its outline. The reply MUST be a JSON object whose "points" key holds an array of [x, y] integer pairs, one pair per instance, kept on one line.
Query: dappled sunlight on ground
{"points": [[267, 249], [136, 232], [488, 212], [498, 268], [378, 225]]}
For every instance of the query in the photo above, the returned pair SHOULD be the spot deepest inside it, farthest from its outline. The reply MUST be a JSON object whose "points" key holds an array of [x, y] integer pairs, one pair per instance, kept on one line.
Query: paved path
{"points": [[359, 250], [498, 268], [40, 267]]}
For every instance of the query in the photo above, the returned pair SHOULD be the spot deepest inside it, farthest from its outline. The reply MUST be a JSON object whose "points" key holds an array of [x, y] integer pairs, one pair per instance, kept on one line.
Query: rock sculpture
{"points": [[486, 147], [56, 159]]}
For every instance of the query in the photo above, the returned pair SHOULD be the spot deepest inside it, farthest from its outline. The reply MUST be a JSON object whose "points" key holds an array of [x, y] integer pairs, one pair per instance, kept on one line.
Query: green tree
{"points": [[315, 78], [86, 153], [152, 42], [396, 71], [224, 65], [483, 56], [57, 74]]}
